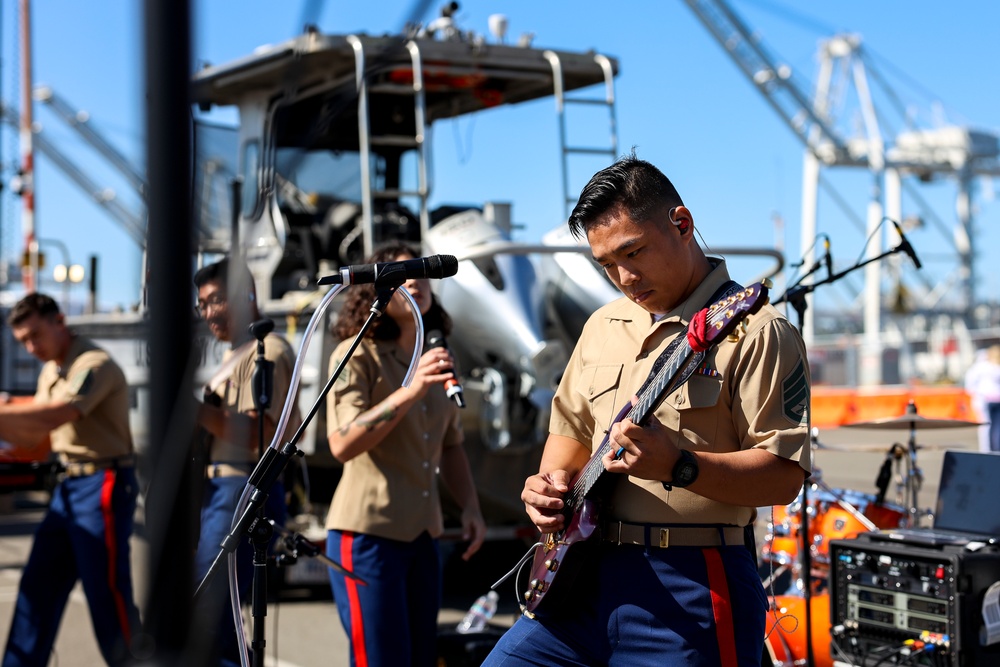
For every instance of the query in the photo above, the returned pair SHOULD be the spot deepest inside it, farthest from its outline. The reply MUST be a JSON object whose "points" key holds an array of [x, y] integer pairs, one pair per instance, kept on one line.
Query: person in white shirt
{"points": [[982, 382]]}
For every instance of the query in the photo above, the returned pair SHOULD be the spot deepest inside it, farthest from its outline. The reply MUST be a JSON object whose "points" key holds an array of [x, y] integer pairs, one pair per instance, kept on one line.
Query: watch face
{"points": [[686, 474]]}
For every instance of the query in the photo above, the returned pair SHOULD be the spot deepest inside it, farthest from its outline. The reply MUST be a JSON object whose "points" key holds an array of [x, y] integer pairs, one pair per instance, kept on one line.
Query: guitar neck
{"points": [[676, 358]]}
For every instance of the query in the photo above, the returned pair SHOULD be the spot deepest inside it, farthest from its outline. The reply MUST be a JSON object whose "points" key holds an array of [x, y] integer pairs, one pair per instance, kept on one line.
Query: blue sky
{"points": [[682, 103]]}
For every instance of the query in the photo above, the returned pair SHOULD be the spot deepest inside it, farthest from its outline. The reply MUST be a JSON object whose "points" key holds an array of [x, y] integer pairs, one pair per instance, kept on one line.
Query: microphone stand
{"points": [[273, 461], [796, 296], [260, 537]]}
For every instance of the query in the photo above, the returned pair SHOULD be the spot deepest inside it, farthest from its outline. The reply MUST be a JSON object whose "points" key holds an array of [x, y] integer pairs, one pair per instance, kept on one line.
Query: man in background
{"points": [[231, 423], [81, 404]]}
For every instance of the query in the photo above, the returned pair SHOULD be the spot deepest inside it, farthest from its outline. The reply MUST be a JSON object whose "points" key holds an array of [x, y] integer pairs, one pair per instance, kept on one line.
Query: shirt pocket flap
{"points": [[598, 380], [698, 392]]}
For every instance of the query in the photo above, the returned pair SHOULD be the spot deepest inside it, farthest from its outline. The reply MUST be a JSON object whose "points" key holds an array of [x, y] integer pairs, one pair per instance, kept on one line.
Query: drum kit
{"points": [[798, 537]]}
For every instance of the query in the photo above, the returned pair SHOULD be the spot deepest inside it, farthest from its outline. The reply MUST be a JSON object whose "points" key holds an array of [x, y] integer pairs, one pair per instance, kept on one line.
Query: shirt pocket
{"points": [[598, 385], [699, 412]]}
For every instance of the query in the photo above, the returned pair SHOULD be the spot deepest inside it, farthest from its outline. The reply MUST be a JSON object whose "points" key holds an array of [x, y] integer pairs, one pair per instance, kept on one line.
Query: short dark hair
{"points": [[634, 185], [35, 303], [220, 271]]}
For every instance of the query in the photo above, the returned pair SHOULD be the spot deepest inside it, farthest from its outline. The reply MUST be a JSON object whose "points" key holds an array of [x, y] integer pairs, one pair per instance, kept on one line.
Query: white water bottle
{"points": [[479, 614]]}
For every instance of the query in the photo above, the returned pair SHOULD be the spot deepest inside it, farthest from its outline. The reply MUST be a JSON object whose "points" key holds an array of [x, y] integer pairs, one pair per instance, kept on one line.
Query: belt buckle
{"points": [[664, 538]]}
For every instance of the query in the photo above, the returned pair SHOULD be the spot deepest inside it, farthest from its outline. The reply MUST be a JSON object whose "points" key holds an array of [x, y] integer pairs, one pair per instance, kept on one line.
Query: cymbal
{"points": [[872, 447], [912, 422]]}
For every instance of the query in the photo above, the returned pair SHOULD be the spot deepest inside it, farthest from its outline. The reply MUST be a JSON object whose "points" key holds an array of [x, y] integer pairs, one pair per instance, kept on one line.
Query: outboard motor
{"points": [[497, 304]]}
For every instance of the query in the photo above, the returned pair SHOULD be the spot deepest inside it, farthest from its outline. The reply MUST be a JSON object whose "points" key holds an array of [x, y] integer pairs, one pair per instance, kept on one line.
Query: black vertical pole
{"points": [[170, 502], [92, 286], [799, 304]]}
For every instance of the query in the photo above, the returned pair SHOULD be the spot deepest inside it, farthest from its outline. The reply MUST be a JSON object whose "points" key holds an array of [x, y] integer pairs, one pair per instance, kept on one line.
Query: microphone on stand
{"points": [[260, 328], [882, 481], [827, 258], [387, 274], [885, 473], [905, 246], [451, 387]]}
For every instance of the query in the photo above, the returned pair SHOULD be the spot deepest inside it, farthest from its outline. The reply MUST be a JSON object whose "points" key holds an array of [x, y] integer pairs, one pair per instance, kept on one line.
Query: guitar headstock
{"points": [[722, 317]]}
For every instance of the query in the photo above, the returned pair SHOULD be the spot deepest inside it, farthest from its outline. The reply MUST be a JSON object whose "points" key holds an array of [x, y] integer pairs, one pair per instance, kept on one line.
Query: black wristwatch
{"points": [[685, 471]]}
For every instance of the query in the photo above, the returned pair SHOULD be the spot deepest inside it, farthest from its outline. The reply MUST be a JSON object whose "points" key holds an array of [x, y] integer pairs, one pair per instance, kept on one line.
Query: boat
{"points": [[333, 156]]}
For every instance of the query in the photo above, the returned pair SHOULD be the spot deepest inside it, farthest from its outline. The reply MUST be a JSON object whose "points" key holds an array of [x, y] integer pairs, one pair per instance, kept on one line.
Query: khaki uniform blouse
{"points": [[391, 490], [753, 393], [94, 384], [237, 395]]}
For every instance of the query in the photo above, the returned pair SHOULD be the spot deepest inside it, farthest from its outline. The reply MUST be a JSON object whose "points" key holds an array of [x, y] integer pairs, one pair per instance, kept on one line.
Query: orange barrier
{"points": [[11, 452], [875, 403], [836, 406], [832, 406], [943, 403]]}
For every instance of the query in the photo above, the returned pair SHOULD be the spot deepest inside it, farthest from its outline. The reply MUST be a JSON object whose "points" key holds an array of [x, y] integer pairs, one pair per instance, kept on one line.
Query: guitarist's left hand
{"points": [[648, 452]]}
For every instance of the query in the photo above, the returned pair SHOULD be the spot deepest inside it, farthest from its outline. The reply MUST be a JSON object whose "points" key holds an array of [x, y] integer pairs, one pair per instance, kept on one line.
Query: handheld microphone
{"points": [[451, 387], [827, 259], [387, 274], [905, 246]]}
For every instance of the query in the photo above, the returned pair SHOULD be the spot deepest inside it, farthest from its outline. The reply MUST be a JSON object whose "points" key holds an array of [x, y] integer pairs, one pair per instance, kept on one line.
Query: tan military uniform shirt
{"points": [[750, 394], [94, 384], [391, 490], [237, 395]]}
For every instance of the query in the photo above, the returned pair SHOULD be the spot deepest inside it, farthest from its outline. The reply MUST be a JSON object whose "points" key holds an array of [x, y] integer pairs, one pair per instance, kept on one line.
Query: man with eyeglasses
{"points": [[230, 420], [81, 404]]}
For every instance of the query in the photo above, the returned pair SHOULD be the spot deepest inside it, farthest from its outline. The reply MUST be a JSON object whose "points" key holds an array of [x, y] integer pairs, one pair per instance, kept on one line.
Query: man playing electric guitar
{"points": [[667, 579]]}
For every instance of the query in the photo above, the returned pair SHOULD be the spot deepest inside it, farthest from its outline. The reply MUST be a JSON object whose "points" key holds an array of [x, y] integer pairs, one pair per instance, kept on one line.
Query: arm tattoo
{"points": [[371, 419]]}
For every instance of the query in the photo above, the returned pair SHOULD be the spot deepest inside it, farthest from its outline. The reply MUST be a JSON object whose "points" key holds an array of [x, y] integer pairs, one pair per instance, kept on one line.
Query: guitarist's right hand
{"points": [[542, 496]]}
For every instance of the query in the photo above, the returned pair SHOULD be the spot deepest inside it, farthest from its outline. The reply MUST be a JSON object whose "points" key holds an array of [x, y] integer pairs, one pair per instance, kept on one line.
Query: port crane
{"points": [[951, 151]]}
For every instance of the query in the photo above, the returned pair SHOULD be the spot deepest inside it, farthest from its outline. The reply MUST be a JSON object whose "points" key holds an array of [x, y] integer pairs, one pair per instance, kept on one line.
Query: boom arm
{"points": [[774, 82]]}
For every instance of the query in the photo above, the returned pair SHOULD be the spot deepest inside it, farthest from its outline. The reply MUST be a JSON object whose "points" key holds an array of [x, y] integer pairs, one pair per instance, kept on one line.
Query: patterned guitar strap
{"points": [[728, 288], [725, 290]]}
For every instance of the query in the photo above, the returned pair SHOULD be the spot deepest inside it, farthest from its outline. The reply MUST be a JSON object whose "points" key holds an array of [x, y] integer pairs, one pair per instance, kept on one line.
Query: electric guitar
{"points": [[672, 369]]}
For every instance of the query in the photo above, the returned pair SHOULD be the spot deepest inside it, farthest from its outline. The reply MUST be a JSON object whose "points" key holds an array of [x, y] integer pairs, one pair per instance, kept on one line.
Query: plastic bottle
{"points": [[479, 614]]}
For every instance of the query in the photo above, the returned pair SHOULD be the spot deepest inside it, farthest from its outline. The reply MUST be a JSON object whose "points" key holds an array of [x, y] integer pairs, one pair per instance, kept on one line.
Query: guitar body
{"points": [[549, 559], [587, 490]]}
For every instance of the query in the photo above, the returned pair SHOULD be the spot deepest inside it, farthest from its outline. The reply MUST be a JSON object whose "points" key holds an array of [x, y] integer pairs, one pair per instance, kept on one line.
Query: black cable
{"points": [[895, 651]]}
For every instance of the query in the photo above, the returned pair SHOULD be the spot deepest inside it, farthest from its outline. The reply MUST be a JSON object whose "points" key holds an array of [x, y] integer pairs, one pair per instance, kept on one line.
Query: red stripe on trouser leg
{"points": [[111, 544], [722, 608], [353, 602]]}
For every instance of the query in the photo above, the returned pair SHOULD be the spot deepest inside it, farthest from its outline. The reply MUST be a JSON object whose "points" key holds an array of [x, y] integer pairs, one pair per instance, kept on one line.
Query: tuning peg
{"points": [[767, 283], [733, 337]]}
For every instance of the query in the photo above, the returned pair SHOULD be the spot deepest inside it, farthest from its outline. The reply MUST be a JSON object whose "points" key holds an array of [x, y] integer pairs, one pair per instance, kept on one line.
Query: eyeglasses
{"points": [[213, 302]]}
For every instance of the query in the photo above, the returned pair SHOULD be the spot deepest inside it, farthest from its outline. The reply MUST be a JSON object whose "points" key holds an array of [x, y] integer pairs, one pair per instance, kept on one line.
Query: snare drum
{"points": [[784, 535], [785, 643]]}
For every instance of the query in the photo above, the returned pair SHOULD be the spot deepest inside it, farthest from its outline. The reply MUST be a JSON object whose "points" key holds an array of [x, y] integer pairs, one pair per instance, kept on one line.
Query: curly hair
{"points": [[360, 298]]}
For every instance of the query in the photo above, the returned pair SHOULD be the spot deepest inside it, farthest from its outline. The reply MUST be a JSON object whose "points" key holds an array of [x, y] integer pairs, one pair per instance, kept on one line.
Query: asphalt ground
{"points": [[302, 627]]}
